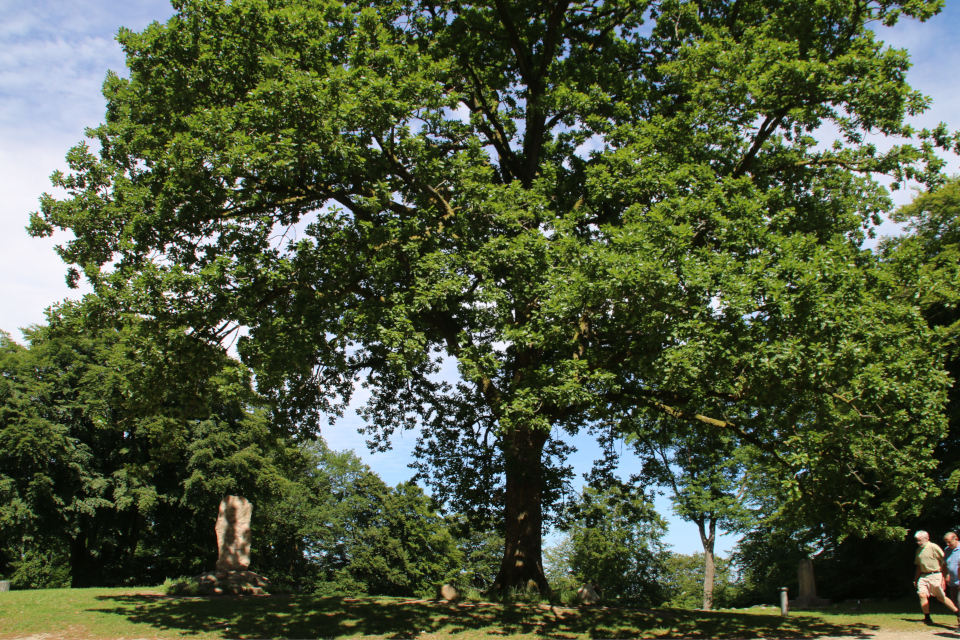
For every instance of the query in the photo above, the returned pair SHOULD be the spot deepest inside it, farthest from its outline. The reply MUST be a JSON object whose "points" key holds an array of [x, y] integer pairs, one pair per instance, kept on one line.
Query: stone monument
{"points": [[233, 534], [587, 595], [808, 588], [449, 593], [233, 545]]}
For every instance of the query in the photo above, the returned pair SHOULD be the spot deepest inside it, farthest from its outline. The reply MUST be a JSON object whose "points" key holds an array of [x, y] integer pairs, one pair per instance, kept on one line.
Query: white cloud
{"points": [[33, 273], [935, 53], [55, 84], [53, 59]]}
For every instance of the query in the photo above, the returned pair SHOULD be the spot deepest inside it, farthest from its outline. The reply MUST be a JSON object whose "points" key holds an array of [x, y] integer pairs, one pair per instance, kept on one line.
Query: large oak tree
{"points": [[601, 211]]}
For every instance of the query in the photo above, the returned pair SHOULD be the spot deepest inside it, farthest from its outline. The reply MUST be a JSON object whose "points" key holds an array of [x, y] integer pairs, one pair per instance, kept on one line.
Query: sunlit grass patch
{"points": [[149, 613]]}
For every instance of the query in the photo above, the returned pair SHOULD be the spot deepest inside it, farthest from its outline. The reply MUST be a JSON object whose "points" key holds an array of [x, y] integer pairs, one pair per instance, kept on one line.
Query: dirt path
{"points": [[932, 633]]}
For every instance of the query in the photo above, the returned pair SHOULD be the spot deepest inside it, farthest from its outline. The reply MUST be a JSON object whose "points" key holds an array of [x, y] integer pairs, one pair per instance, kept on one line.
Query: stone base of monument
{"points": [[235, 583]]}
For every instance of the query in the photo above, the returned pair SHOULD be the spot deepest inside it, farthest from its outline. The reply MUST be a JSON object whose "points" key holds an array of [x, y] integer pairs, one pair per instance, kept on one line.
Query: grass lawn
{"points": [[100, 614]]}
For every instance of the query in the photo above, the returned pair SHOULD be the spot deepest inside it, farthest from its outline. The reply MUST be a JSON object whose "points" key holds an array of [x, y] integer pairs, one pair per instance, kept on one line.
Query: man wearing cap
{"points": [[930, 576]]}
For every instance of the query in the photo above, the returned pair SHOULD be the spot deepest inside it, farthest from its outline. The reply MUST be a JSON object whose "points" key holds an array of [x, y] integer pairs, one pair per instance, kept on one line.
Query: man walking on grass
{"points": [[931, 576], [951, 562]]}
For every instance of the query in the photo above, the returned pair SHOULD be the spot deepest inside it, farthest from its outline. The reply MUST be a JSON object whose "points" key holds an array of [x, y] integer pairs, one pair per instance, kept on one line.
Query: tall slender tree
{"points": [[706, 475], [594, 208]]}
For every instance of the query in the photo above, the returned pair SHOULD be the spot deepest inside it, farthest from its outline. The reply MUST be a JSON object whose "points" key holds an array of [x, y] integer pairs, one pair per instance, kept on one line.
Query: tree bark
{"points": [[708, 540], [522, 564]]}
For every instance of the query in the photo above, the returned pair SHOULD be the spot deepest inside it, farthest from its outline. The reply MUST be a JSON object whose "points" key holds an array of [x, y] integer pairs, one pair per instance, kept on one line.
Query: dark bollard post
{"points": [[783, 601]]}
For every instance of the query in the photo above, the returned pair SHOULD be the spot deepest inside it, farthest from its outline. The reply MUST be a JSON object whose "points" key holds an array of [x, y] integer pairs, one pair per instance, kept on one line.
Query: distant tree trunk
{"points": [[523, 511], [708, 540], [83, 572]]}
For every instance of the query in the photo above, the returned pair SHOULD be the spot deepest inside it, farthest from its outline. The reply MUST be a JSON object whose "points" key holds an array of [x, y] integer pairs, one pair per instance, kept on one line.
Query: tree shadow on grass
{"points": [[316, 617], [906, 609]]}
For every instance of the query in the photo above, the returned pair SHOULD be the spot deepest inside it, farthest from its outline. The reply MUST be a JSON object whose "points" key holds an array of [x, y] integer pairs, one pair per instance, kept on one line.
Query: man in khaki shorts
{"points": [[931, 576]]}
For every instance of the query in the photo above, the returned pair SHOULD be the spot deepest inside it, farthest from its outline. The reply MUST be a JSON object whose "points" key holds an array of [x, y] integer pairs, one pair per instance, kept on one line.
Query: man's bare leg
{"points": [[947, 602]]}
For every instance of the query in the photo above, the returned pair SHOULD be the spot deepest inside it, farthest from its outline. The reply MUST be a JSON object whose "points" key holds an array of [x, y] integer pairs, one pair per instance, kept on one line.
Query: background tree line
{"points": [[117, 444], [114, 459]]}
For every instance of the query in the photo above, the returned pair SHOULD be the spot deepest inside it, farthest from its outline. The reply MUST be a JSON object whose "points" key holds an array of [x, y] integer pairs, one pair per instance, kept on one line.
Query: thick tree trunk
{"points": [[522, 564], [708, 540]]}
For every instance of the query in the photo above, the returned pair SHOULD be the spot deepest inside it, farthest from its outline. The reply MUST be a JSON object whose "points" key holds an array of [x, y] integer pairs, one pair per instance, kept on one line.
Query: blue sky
{"points": [[53, 58]]}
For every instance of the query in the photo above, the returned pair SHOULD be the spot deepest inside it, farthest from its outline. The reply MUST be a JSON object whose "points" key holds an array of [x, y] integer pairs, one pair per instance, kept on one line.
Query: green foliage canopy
{"points": [[683, 578], [707, 474], [112, 463], [597, 209], [616, 544], [117, 444], [924, 263], [340, 530]]}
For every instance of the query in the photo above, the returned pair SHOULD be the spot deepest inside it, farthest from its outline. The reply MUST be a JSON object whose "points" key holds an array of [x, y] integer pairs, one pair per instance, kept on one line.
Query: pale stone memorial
{"points": [[808, 588], [449, 593], [233, 534], [234, 537], [587, 595]]}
